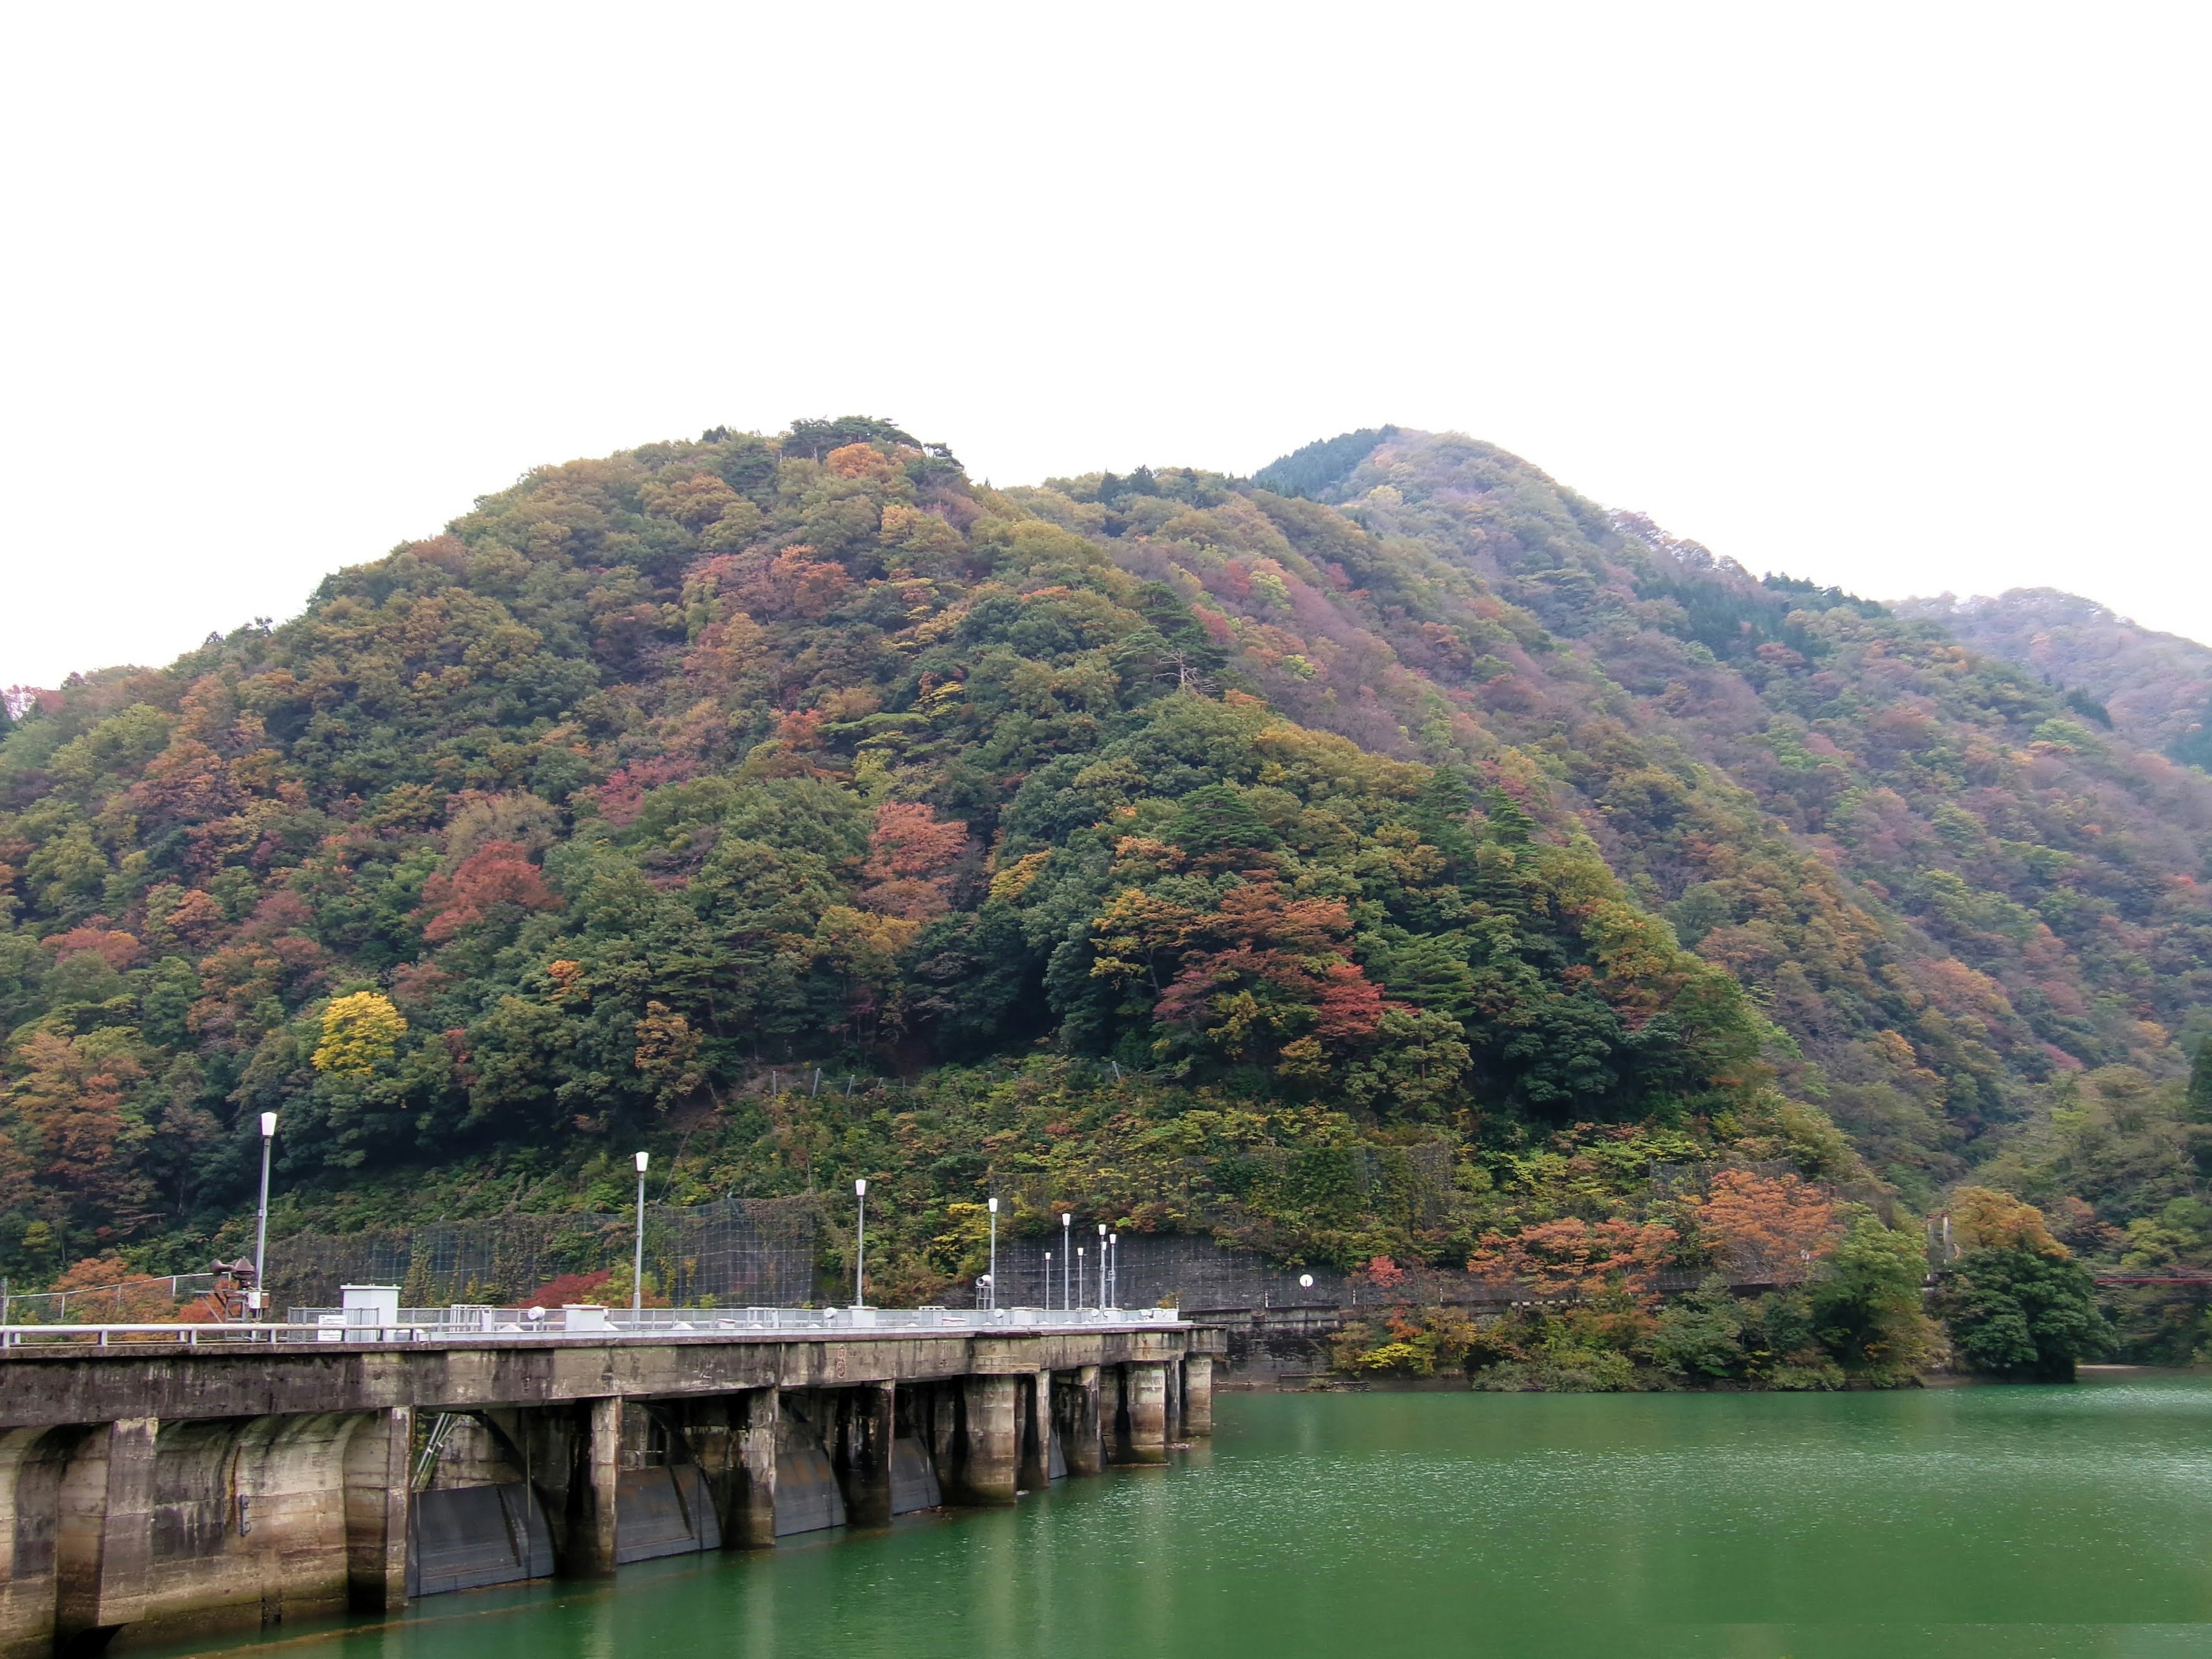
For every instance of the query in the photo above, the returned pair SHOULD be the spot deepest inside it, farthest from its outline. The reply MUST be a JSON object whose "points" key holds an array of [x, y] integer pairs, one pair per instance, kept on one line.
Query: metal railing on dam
{"points": [[467, 1324], [162, 1479]]}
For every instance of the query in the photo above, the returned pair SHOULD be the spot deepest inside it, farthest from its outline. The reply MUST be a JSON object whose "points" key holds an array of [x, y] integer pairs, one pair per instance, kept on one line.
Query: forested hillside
{"points": [[1168, 839], [2154, 688]]}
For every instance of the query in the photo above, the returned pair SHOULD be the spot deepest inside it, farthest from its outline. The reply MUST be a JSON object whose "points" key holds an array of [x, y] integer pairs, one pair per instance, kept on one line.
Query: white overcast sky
{"points": [[1905, 298]]}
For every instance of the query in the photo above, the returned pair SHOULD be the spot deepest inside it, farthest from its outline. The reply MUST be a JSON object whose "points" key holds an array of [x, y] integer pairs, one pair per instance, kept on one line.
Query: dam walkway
{"points": [[165, 1480]]}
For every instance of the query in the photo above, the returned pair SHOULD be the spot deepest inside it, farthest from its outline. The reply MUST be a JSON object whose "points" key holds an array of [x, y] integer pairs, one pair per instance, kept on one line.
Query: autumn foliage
{"points": [[1364, 848], [497, 873], [1763, 1229], [1573, 1257], [1983, 1219], [910, 853]]}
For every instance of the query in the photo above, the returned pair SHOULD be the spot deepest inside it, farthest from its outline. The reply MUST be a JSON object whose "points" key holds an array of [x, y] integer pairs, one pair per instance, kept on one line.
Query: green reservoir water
{"points": [[1966, 1522]]}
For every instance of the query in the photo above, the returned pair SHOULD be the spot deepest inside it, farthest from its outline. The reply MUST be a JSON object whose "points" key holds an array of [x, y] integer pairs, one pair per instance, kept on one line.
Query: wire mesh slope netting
{"points": [[737, 1252]]}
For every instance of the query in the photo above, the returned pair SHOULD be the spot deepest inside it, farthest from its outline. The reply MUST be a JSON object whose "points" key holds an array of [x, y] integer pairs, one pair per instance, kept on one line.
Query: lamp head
{"points": [[994, 1206], [1066, 1219], [861, 1187], [1102, 1229], [268, 1125], [642, 1159]]}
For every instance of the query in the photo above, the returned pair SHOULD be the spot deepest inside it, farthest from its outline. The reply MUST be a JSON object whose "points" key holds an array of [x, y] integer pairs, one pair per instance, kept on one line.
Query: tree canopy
{"points": [[1396, 798]]}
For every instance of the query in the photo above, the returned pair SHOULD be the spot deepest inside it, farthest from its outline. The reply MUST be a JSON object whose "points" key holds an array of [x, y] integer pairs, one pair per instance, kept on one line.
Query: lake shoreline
{"points": [[1328, 1382]]}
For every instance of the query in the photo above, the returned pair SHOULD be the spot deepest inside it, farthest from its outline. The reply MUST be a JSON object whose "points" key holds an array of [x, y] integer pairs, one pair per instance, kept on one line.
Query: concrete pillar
{"points": [[1197, 1395], [751, 1522], [376, 1500], [867, 1420], [1035, 1407], [944, 1416], [1114, 1413], [991, 1447], [104, 1541], [592, 1505], [1144, 1384], [32, 1464], [1172, 1372], [1081, 1432]]}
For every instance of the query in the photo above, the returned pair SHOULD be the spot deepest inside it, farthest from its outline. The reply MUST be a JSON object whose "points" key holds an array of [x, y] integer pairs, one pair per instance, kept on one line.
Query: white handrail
{"points": [[510, 1324]]}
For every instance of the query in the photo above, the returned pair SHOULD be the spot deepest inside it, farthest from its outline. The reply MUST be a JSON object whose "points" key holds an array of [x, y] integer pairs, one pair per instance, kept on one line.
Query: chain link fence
{"points": [[131, 1301]]}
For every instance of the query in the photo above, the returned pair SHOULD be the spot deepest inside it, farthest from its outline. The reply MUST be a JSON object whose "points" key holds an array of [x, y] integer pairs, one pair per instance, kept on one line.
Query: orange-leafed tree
{"points": [[68, 1120], [106, 1289], [1574, 1257], [910, 856], [1766, 1229]]}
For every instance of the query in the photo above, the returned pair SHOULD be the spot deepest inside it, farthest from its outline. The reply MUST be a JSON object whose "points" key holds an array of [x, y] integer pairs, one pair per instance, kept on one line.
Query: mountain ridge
{"points": [[2154, 688], [1432, 801]]}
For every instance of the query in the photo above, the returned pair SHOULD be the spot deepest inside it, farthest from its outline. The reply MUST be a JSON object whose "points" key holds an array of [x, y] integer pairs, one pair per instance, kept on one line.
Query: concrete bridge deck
{"points": [[148, 1488]]}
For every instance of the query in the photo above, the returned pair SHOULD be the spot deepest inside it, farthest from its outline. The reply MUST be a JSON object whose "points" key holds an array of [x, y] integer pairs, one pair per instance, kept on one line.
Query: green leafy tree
{"points": [[1866, 1302], [2022, 1313], [1700, 1334]]}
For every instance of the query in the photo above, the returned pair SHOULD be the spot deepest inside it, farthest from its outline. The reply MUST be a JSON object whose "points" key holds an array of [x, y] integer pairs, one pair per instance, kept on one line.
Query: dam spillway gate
{"points": [[157, 1489]]}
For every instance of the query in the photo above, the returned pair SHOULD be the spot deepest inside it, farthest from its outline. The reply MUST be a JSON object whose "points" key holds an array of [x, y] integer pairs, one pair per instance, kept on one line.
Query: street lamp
{"points": [[994, 1255], [637, 1266], [1067, 1220], [860, 1245], [261, 1227], [1113, 1270], [1081, 1295], [1047, 1281], [1101, 1267]]}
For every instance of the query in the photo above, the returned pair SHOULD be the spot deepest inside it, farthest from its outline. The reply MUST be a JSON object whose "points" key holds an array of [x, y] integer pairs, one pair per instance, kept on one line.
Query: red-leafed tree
{"points": [[119, 950], [1264, 976], [497, 875]]}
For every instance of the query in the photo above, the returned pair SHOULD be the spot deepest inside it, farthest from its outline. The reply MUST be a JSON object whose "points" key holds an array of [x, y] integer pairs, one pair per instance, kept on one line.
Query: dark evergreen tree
{"points": [[1218, 820], [2022, 1314]]}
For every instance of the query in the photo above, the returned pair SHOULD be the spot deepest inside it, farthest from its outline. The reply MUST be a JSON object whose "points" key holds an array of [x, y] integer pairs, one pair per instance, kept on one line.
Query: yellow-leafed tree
{"points": [[360, 1034]]}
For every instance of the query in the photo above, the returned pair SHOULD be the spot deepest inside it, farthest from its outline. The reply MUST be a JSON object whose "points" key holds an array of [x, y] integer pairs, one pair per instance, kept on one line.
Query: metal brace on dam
{"points": [[156, 1484]]}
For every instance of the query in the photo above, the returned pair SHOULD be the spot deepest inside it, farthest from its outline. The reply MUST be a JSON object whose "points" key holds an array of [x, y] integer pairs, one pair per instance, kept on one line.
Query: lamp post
{"points": [[637, 1264], [1101, 1267], [261, 1226], [1113, 1270], [1047, 1281], [994, 1255], [1067, 1220], [1082, 1295], [860, 1245]]}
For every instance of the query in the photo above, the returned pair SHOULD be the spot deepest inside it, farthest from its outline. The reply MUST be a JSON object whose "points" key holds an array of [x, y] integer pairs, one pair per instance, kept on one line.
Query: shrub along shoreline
{"points": [[1861, 1309]]}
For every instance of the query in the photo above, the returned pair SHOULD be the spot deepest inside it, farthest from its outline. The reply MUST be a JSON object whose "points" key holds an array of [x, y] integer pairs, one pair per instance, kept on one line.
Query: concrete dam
{"points": [[160, 1480]]}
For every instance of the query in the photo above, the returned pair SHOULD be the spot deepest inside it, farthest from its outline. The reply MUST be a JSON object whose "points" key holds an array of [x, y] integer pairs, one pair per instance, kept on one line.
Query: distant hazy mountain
{"points": [[2156, 687]]}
